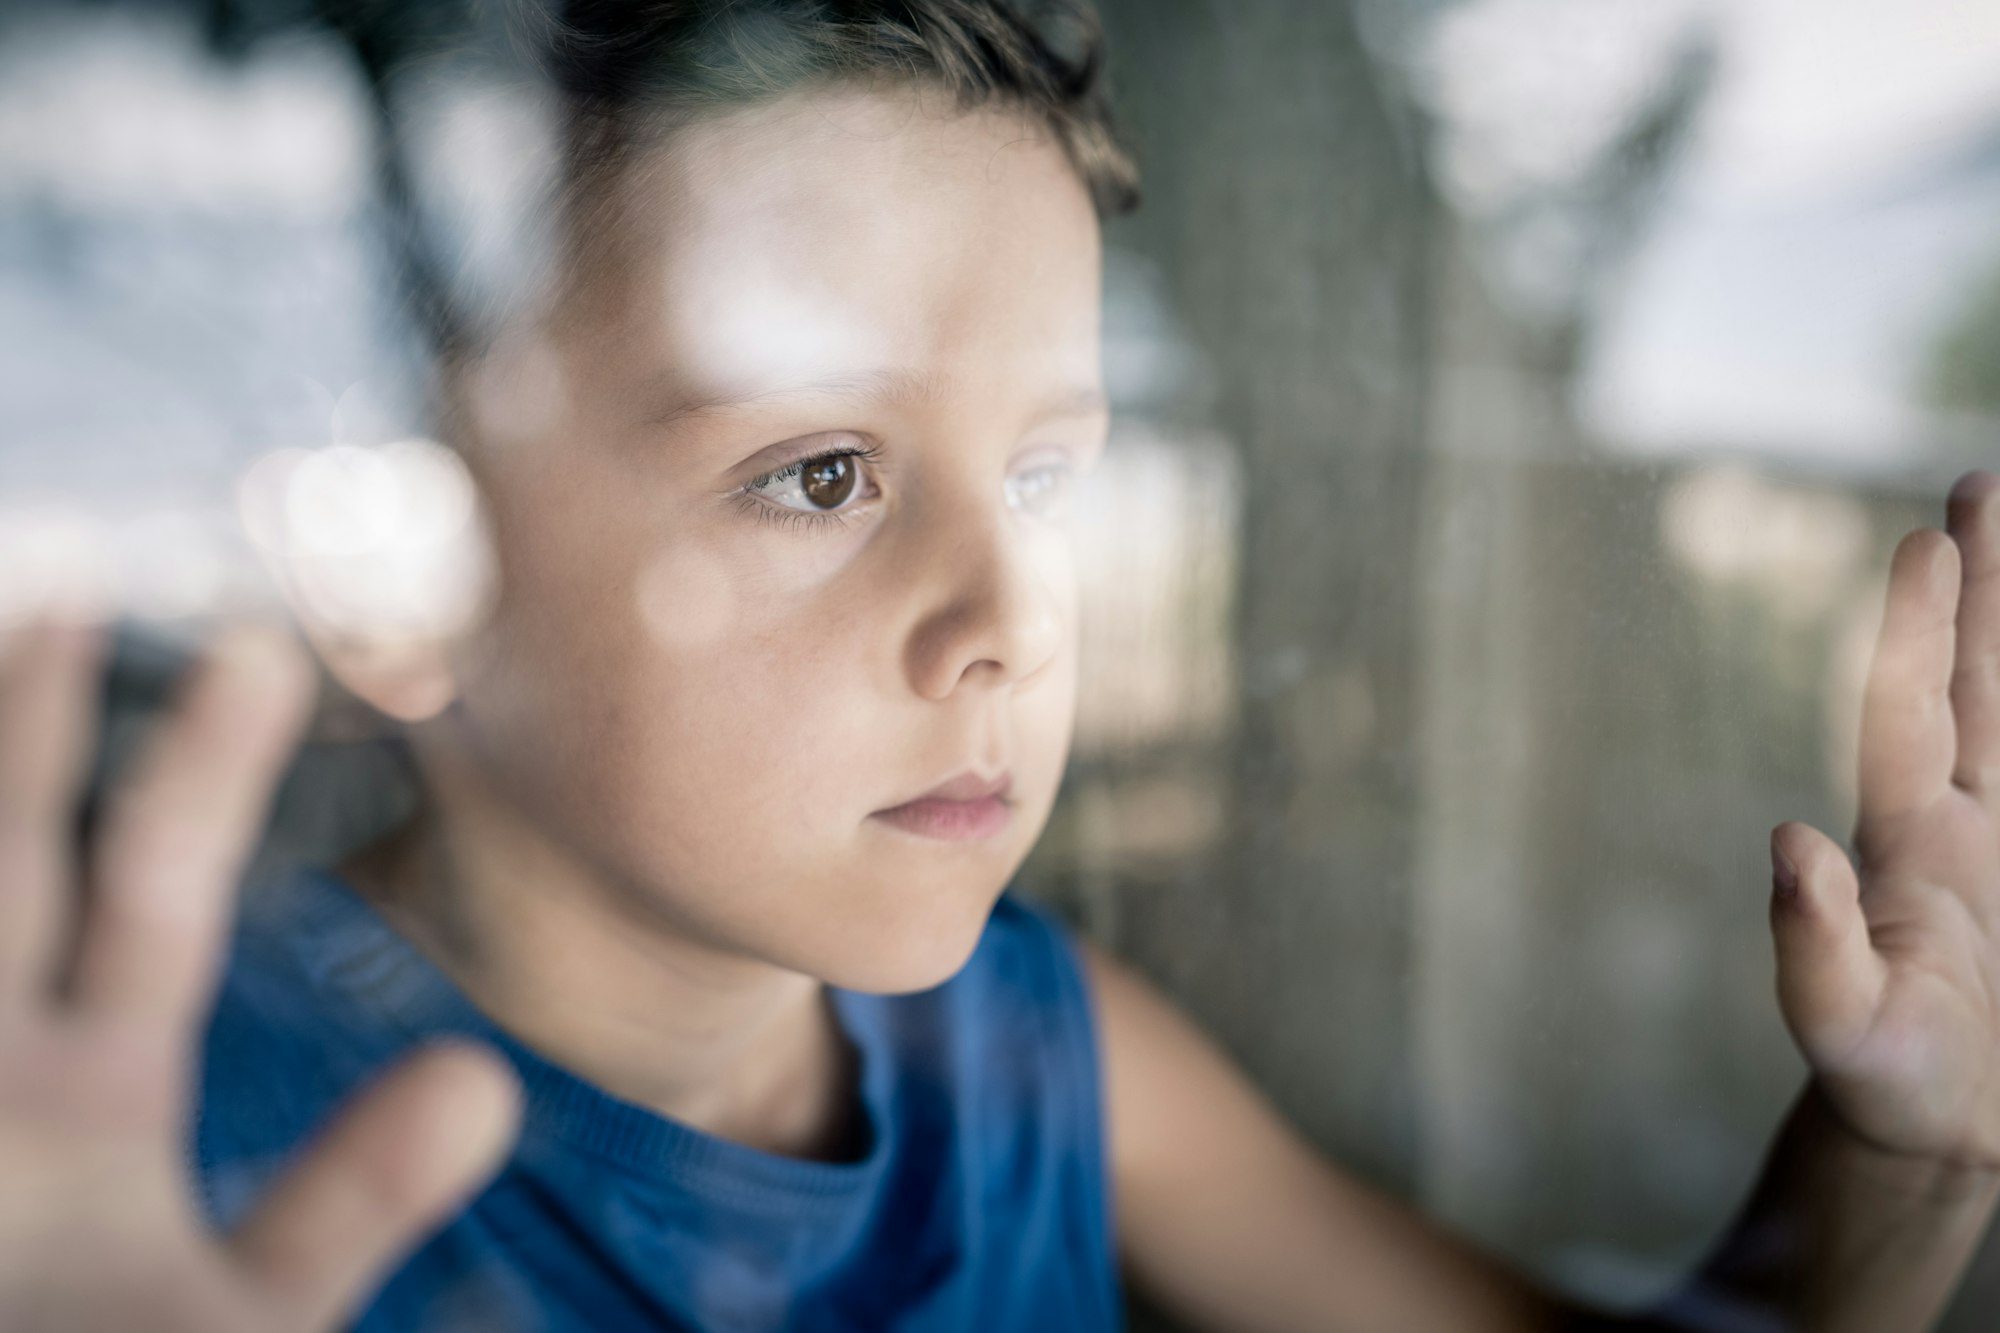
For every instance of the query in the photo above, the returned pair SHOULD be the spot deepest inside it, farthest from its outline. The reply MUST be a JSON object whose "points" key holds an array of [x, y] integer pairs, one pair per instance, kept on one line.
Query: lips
{"points": [[968, 786], [965, 809]]}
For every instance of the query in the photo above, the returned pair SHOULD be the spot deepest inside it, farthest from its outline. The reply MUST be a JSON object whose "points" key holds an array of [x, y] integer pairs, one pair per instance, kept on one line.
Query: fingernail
{"points": [[1973, 483], [1973, 488], [1786, 874]]}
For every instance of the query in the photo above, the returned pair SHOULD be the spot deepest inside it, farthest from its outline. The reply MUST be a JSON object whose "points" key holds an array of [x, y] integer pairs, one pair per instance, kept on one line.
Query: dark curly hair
{"points": [[624, 71], [616, 63]]}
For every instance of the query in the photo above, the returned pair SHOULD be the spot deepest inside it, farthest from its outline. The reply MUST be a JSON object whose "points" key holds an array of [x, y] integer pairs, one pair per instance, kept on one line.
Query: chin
{"points": [[894, 952]]}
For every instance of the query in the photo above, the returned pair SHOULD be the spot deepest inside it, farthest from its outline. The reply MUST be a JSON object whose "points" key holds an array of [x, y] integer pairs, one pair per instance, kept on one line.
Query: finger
{"points": [[1830, 979], [392, 1165], [175, 831], [48, 710], [1908, 741], [1973, 518]]}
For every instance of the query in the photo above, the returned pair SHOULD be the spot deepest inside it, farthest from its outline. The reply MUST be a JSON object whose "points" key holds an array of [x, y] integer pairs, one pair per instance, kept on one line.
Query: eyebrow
{"points": [[891, 387]]}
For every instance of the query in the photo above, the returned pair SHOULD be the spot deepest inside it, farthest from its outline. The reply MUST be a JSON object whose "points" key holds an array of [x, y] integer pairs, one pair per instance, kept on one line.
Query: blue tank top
{"points": [[983, 1200]]}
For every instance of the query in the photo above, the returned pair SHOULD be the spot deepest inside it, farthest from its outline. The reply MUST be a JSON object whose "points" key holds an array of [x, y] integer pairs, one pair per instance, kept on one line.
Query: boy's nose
{"points": [[988, 612]]}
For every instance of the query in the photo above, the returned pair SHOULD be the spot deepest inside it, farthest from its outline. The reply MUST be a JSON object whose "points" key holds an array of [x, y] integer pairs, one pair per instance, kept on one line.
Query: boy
{"points": [[722, 1016]]}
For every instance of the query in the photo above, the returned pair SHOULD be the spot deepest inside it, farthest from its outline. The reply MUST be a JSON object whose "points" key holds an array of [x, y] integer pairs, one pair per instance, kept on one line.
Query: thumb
{"points": [[390, 1166], [1830, 979]]}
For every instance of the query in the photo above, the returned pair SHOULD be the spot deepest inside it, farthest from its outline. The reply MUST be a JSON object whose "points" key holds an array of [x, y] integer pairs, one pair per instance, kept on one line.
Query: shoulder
{"points": [[1175, 1121], [1168, 1082], [1025, 980], [1026, 941], [1023, 973], [1013, 1035]]}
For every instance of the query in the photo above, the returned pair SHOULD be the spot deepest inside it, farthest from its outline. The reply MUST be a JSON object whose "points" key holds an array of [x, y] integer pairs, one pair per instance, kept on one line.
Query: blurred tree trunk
{"points": [[1288, 219]]}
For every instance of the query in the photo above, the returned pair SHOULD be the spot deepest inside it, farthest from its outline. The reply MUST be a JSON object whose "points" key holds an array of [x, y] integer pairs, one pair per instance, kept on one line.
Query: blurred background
{"points": [[1518, 403]]}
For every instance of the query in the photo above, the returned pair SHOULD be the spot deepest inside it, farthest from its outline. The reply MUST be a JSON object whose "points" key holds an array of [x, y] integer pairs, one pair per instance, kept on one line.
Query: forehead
{"points": [[844, 230]]}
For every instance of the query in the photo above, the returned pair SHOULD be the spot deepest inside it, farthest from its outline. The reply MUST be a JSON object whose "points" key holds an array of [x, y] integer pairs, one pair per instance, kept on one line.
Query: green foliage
{"points": [[1962, 372]]}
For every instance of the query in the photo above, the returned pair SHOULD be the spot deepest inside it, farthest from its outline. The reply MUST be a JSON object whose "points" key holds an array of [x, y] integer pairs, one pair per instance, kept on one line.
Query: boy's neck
{"points": [[731, 1046]]}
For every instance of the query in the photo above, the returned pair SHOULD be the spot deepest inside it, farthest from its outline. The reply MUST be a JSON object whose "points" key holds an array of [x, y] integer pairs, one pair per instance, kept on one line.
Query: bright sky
{"points": [[1812, 92], [1817, 94], [1771, 307]]}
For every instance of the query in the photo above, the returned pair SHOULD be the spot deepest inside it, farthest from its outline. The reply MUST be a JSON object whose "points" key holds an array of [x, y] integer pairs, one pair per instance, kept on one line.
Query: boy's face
{"points": [[704, 693]]}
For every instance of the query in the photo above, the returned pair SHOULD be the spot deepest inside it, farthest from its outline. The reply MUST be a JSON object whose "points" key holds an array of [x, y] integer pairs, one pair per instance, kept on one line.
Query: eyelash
{"points": [[788, 517]]}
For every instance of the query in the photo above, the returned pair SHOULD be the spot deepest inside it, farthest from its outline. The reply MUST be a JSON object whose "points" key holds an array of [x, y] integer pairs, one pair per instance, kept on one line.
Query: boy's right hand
{"points": [[108, 965]]}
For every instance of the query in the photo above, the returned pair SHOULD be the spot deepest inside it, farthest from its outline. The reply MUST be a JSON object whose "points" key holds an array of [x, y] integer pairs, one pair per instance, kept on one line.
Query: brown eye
{"points": [[823, 486], [829, 482]]}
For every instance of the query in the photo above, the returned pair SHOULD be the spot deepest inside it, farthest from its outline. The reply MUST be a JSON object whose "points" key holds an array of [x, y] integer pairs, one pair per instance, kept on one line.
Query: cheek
{"points": [[717, 706], [1054, 555], [747, 705]]}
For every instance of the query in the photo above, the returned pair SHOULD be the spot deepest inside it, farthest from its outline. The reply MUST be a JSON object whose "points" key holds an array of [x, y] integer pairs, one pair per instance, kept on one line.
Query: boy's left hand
{"points": [[1889, 971]]}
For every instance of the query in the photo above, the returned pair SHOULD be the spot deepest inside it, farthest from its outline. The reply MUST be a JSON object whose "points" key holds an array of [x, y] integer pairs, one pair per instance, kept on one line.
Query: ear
{"points": [[383, 557], [408, 679]]}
